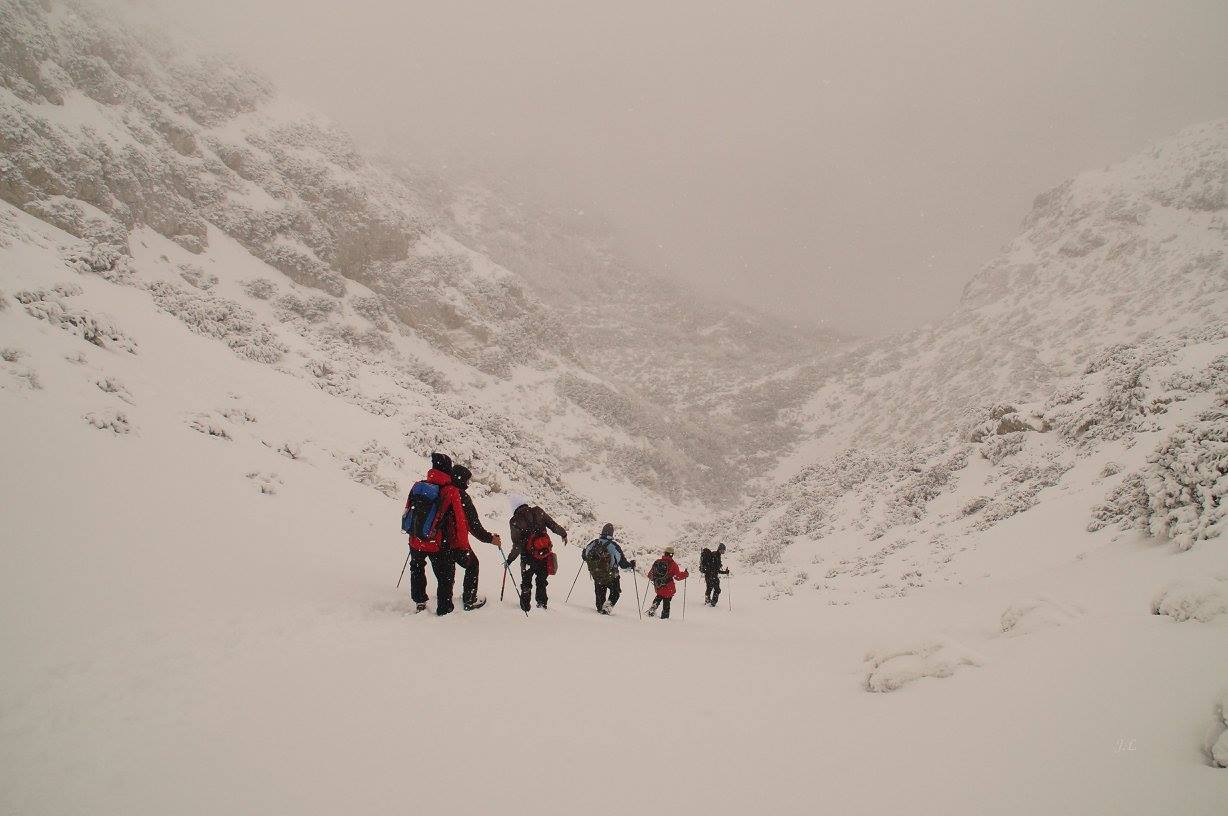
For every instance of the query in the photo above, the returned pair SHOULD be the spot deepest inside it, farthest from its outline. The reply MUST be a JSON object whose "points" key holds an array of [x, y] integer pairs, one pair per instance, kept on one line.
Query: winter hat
{"points": [[442, 462], [461, 476], [515, 501], [720, 547], [669, 550], [607, 531]]}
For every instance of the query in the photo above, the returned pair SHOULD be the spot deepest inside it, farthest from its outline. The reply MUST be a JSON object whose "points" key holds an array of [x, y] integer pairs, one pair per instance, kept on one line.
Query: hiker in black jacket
{"points": [[531, 543], [710, 566], [604, 558], [467, 559]]}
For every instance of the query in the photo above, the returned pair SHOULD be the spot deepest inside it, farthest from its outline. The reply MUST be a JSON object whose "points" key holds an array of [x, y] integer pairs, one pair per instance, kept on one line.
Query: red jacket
{"points": [[452, 530], [668, 589]]}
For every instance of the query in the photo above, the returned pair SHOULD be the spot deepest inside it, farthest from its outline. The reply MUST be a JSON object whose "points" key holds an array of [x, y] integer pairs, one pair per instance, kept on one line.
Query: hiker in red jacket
{"points": [[664, 572], [451, 535]]}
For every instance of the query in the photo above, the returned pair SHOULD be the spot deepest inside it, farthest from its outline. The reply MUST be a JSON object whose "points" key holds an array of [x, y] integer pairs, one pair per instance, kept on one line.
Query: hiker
{"points": [[604, 558], [466, 558], [439, 530], [664, 572], [531, 542], [710, 566]]}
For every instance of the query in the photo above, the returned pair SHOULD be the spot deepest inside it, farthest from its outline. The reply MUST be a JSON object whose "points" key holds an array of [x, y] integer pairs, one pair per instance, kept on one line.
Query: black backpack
{"points": [[705, 561], [659, 574]]}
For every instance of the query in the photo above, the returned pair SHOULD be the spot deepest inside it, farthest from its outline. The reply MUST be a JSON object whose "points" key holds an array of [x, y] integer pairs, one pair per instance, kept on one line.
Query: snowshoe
{"points": [[476, 603]]}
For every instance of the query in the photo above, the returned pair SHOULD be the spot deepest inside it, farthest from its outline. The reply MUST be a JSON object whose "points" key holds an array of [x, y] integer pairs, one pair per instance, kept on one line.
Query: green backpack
{"points": [[600, 565]]}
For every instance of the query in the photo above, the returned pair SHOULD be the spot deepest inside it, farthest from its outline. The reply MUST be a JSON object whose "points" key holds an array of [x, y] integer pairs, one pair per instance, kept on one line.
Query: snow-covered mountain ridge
{"points": [[106, 129], [1091, 358]]}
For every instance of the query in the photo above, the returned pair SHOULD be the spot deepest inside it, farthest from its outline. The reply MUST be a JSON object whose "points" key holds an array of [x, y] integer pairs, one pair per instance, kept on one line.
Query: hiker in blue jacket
{"points": [[604, 558]]}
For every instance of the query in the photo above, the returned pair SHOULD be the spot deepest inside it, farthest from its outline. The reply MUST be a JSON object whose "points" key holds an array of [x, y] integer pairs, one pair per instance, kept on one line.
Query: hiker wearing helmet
{"points": [[664, 572], [466, 558], [710, 566], [531, 543], [604, 558], [437, 529]]}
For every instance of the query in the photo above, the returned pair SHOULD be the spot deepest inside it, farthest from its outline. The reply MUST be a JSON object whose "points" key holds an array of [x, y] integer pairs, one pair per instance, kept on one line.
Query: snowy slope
{"points": [[199, 617], [106, 128]]}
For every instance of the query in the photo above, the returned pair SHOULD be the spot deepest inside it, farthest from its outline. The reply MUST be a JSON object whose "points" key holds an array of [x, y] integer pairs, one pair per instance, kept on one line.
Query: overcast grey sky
{"points": [[850, 162]]}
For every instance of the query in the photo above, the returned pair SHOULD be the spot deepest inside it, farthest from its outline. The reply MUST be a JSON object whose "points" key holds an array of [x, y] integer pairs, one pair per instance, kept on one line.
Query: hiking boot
{"points": [[607, 608], [419, 608], [476, 603], [652, 612], [603, 611], [541, 606]]}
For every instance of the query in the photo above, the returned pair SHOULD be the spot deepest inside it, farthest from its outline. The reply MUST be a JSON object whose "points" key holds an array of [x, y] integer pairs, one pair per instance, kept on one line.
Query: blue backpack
{"points": [[422, 511]]}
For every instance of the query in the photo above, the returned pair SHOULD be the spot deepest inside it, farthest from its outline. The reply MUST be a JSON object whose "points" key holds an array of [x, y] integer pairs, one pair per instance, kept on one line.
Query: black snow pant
{"points": [[530, 568], [468, 561], [664, 604], [614, 588], [445, 573], [712, 587]]}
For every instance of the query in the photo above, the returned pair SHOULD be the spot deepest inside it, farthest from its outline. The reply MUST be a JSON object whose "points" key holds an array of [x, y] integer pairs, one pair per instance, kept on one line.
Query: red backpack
{"points": [[542, 549]]}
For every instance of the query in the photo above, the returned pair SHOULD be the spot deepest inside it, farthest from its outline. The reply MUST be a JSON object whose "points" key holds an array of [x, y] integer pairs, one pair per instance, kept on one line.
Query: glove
{"points": [[632, 563], [498, 542]]}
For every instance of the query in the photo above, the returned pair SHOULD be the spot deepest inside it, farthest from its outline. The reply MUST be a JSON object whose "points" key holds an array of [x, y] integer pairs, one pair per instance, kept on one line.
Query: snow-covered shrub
{"points": [[1110, 469], [997, 448], [1187, 480], [364, 467], [51, 305], [973, 504], [107, 261], [1022, 488], [210, 426], [312, 308], [1198, 599], [217, 317], [1215, 746], [1125, 506], [260, 288], [1034, 614], [114, 421], [110, 385], [1120, 411], [10, 354], [892, 669], [196, 277], [267, 482]]}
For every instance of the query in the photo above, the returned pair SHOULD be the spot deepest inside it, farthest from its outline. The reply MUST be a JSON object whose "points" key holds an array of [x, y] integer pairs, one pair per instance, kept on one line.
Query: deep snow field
{"points": [[198, 623]]}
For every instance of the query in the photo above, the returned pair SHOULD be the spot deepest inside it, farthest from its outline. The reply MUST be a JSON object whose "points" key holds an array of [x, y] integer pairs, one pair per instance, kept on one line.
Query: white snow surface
{"points": [[990, 576]]}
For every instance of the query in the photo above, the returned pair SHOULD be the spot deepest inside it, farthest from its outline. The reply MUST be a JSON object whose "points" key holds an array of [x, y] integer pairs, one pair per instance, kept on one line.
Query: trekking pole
{"points": [[684, 582], [636, 579], [503, 585], [399, 580], [646, 585], [573, 581], [506, 570], [729, 594]]}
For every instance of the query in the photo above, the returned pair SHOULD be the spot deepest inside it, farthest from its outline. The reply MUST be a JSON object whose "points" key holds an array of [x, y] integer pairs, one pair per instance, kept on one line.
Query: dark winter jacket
{"points": [[675, 572], [714, 564], [471, 518], [452, 531], [528, 522]]}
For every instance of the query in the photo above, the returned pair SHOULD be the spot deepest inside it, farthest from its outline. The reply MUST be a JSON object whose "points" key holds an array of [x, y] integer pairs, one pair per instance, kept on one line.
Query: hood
{"points": [[515, 501]]}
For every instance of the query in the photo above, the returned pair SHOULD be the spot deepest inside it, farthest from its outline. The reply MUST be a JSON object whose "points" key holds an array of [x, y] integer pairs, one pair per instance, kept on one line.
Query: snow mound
{"points": [[1198, 599], [1216, 745], [892, 669], [1034, 614]]}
